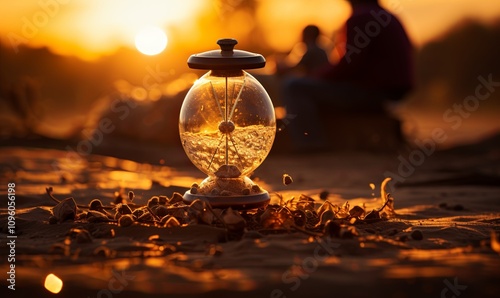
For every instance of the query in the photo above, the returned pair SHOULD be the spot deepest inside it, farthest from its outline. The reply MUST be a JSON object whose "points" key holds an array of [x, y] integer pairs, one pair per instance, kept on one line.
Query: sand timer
{"points": [[227, 127]]}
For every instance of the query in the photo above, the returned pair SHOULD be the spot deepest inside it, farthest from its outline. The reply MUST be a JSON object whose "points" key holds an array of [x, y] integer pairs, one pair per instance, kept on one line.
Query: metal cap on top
{"points": [[227, 58]]}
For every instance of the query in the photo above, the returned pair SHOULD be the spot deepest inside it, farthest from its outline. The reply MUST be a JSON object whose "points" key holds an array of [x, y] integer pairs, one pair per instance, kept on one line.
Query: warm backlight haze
{"points": [[151, 41], [92, 28], [89, 29], [139, 49]]}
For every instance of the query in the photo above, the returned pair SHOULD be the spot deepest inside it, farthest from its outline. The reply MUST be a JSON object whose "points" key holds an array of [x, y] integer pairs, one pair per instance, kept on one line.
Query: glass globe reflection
{"points": [[227, 127], [227, 120]]}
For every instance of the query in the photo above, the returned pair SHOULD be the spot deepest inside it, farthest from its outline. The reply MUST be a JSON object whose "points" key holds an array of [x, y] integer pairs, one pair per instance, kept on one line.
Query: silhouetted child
{"points": [[311, 61]]}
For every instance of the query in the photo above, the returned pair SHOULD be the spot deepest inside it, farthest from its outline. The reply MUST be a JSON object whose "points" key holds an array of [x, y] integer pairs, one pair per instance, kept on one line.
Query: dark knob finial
{"points": [[227, 44]]}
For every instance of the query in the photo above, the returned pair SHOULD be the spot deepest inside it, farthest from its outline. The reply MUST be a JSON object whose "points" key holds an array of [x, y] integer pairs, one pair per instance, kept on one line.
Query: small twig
{"points": [[388, 196], [152, 214], [281, 198], [49, 191]]}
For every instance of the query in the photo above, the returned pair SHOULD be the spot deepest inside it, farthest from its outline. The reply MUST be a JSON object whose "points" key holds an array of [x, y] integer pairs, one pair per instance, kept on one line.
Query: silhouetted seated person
{"points": [[377, 66], [312, 56]]}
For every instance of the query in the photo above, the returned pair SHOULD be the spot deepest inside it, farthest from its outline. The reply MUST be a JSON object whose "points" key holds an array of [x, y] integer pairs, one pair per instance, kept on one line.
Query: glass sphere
{"points": [[227, 123]]}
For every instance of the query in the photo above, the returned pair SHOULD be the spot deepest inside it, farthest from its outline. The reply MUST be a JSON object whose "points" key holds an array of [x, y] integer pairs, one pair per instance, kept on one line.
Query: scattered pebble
{"points": [[176, 197], [161, 211], [233, 220], [417, 235], [163, 200], [295, 214], [126, 220], [125, 209], [96, 204], [153, 201]]}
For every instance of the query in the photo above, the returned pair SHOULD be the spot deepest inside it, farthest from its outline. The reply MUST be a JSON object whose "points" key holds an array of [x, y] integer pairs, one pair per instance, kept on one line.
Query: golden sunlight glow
{"points": [[53, 283], [92, 28], [151, 41], [283, 20]]}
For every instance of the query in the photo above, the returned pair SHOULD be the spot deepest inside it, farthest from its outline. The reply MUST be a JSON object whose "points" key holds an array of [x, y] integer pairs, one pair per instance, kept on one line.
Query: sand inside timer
{"points": [[227, 127]]}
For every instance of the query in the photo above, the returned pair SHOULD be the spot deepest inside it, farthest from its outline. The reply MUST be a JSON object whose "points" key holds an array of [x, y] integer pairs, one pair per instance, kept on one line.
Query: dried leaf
{"points": [[275, 217], [326, 206], [372, 215], [65, 210], [356, 211], [233, 220], [343, 212], [287, 179], [326, 216], [305, 203]]}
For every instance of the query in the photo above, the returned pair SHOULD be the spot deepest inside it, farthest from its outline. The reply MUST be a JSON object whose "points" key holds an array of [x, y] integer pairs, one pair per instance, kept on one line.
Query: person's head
{"points": [[310, 34]]}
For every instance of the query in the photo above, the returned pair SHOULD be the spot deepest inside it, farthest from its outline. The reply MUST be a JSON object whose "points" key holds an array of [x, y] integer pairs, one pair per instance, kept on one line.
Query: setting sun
{"points": [[151, 41]]}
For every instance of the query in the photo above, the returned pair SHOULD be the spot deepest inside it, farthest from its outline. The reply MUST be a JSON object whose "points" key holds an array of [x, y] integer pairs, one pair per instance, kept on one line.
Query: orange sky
{"points": [[91, 28]]}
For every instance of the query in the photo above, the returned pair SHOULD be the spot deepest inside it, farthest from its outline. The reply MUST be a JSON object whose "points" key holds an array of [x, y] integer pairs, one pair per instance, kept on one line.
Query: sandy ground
{"points": [[452, 198]]}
